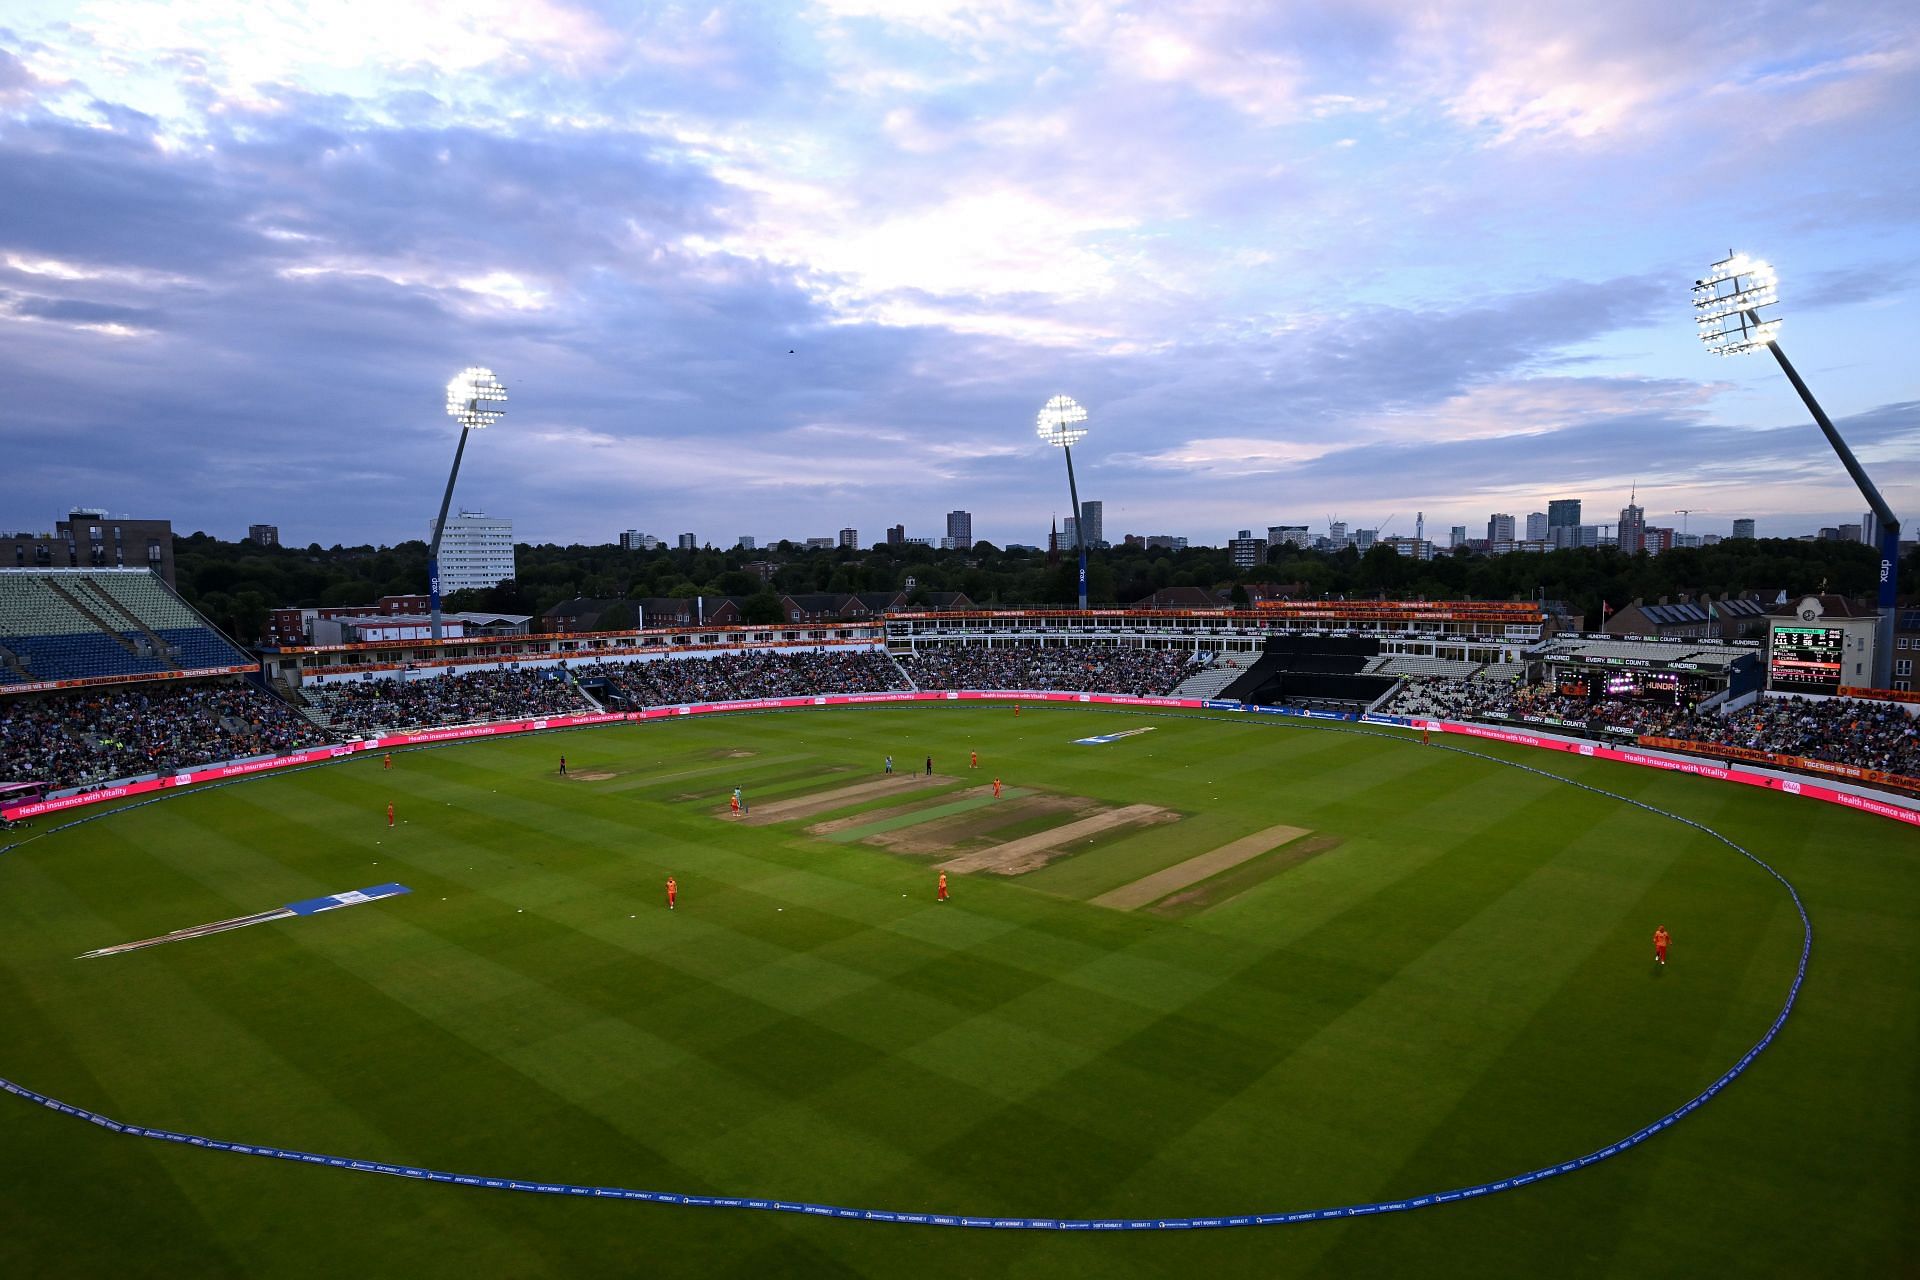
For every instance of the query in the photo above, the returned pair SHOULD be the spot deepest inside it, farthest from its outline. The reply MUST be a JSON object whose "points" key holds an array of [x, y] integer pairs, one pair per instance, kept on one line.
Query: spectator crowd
{"points": [[97, 735], [509, 693], [1870, 735], [1078, 668], [754, 674]]}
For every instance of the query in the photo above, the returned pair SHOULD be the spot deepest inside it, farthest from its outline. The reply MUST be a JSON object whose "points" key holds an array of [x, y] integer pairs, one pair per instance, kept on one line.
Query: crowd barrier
{"points": [[1803, 764], [458, 733]]}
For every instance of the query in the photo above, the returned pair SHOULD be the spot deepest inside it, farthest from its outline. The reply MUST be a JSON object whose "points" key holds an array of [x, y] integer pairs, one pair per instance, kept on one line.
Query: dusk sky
{"points": [[775, 270]]}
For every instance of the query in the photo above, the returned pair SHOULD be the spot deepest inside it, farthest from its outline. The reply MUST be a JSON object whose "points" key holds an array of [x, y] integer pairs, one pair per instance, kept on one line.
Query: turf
{"points": [[1462, 991]]}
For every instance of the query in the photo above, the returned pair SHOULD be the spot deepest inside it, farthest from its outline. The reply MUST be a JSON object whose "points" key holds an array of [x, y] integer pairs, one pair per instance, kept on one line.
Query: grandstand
{"points": [[61, 625]]}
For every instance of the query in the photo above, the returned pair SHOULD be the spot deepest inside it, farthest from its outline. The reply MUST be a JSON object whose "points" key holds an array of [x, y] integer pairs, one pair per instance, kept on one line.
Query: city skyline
{"points": [[823, 266]]}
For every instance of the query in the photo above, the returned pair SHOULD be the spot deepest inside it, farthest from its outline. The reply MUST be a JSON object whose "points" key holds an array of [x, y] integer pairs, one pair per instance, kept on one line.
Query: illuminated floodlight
{"points": [[473, 395], [476, 399], [1728, 304], [1059, 422]]}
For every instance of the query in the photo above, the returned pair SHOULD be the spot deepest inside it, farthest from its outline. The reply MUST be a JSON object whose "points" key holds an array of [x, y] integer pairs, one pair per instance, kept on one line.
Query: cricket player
{"points": [[889, 764], [563, 766], [996, 788], [389, 763], [929, 766], [673, 891], [389, 814], [734, 800], [1660, 940], [973, 759], [943, 887]]}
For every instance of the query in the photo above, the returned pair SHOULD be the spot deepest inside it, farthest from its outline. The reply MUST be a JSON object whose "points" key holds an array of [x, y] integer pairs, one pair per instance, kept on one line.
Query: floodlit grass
{"points": [[1460, 990]]}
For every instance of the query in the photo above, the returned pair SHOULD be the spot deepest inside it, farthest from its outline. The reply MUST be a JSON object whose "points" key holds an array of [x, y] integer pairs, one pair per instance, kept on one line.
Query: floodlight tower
{"points": [[1727, 305], [474, 398], [1059, 424]]}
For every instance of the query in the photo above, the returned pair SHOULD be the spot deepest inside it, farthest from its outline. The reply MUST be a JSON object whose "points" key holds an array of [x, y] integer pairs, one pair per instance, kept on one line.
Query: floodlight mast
{"points": [[473, 397], [1059, 424], [1727, 309]]}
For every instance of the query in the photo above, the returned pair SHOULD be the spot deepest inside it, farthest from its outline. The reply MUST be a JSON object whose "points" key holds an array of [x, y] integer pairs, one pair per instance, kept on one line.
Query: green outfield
{"points": [[1221, 967]]}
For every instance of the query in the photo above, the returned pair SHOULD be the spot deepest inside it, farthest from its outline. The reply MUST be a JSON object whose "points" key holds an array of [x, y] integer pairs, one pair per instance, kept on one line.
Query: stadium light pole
{"points": [[1059, 424], [473, 398], [1728, 303]]}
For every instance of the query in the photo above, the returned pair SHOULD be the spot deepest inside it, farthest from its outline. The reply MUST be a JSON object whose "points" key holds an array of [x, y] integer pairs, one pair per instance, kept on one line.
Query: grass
{"points": [[1460, 992]]}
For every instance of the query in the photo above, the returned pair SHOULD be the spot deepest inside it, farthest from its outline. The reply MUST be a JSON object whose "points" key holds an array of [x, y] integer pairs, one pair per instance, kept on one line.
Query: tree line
{"points": [[237, 583]]}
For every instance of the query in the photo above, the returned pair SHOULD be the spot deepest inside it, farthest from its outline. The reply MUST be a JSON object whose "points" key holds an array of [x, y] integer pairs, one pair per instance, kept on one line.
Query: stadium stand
{"points": [[1209, 680], [76, 624], [1316, 672], [86, 736], [395, 702], [1081, 668], [754, 674]]}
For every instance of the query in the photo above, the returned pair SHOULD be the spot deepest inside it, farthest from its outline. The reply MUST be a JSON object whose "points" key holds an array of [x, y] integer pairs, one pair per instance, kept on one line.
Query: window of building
{"points": [[1904, 667]]}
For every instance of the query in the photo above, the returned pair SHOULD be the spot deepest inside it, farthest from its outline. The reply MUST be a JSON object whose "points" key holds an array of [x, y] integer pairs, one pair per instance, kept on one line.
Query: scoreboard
{"points": [[1806, 659]]}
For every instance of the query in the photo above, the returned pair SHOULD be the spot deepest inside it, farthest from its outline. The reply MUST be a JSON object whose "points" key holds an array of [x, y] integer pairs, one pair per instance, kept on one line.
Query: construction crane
{"points": [[1684, 512]]}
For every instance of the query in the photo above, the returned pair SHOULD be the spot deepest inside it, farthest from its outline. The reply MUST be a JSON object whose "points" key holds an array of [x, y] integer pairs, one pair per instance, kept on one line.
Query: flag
{"points": [[1605, 610]]}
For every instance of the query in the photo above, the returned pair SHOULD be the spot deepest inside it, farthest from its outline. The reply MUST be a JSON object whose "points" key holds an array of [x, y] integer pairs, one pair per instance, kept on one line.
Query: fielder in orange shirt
{"points": [[734, 800], [943, 886], [673, 891], [389, 763], [389, 815], [996, 788], [1660, 940], [973, 759]]}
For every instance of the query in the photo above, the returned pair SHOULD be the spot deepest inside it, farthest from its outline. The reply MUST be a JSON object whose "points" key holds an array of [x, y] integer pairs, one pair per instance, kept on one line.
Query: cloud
{"points": [[787, 270]]}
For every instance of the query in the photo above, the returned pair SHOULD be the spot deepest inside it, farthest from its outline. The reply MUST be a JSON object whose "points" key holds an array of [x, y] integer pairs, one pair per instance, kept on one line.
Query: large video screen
{"points": [[1805, 659]]}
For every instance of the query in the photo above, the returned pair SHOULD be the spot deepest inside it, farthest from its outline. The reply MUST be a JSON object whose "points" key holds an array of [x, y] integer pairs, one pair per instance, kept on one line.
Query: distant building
{"points": [[1094, 515], [475, 552], [1294, 535], [1743, 528], [1704, 619], [1630, 534], [897, 536], [960, 529], [1499, 528], [88, 539], [1247, 550], [1536, 526], [746, 543], [264, 535], [820, 544], [1656, 540], [1563, 517], [1416, 548], [685, 542], [1457, 536], [1850, 533], [850, 538], [634, 540]]}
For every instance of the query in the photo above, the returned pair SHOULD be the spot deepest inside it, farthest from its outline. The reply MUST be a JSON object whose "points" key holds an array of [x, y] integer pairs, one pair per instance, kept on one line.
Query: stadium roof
{"points": [[1674, 615]]}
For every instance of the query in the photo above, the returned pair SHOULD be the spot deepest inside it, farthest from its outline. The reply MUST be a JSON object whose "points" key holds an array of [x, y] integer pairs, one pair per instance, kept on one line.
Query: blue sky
{"points": [[779, 269]]}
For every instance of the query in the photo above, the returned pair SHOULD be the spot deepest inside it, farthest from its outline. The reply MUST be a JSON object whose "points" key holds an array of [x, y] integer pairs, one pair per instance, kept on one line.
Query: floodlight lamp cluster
{"points": [[473, 397], [1727, 305], [1059, 422]]}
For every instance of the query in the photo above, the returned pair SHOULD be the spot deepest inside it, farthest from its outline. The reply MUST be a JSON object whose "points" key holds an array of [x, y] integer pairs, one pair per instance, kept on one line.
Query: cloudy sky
{"points": [[775, 270]]}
